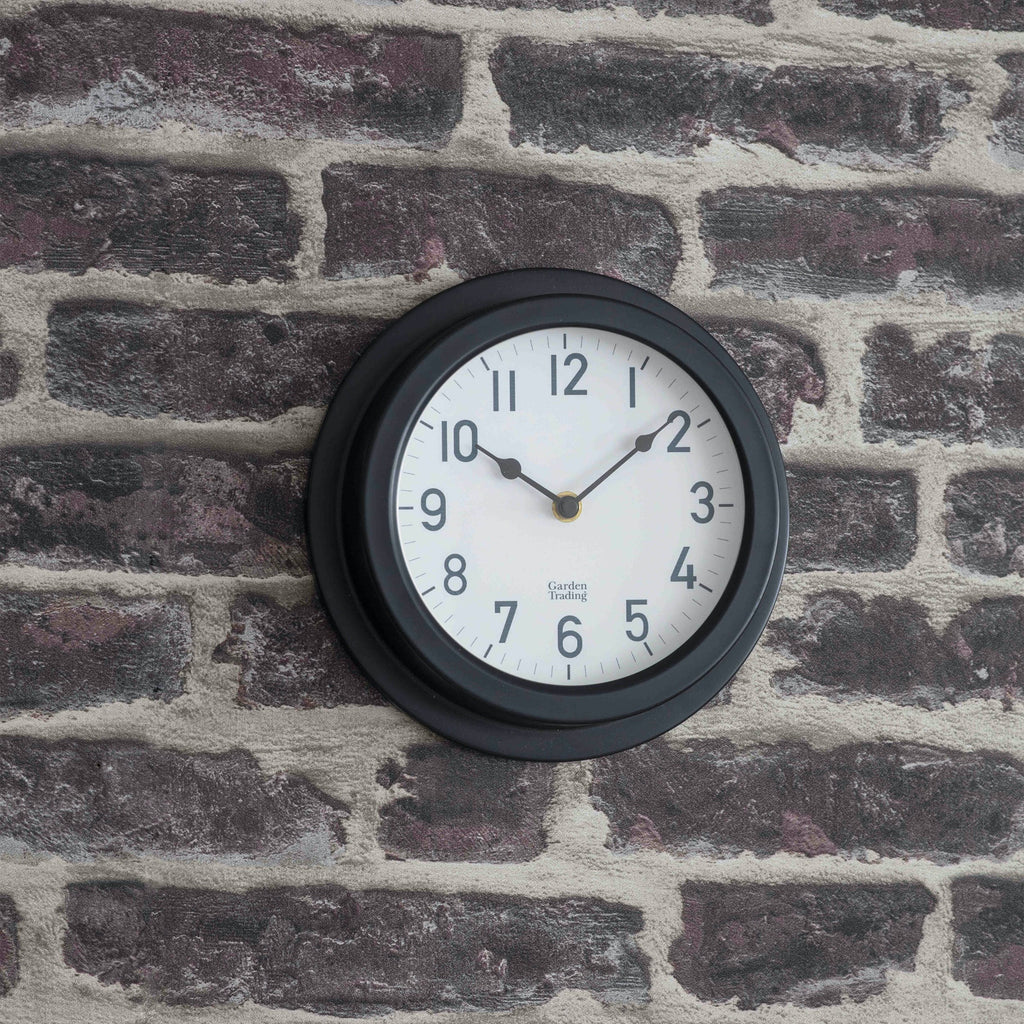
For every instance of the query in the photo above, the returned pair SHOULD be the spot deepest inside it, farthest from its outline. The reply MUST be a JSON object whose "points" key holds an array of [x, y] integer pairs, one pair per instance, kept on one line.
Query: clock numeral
{"points": [[459, 442], [637, 617], [570, 388], [496, 390], [674, 445], [632, 387], [679, 576], [569, 635], [511, 606], [455, 575], [437, 513], [709, 493]]}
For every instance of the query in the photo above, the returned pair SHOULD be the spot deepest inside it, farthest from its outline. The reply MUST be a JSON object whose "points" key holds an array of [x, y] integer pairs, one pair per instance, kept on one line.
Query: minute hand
{"points": [[643, 444]]}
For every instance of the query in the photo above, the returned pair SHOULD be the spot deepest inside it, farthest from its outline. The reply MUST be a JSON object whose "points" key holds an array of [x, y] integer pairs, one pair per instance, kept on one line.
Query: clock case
{"points": [[361, 577]]}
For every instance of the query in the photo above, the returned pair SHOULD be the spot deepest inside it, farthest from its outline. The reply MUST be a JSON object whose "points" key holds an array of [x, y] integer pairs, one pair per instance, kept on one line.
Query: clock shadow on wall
{"points": [[547, 514]]}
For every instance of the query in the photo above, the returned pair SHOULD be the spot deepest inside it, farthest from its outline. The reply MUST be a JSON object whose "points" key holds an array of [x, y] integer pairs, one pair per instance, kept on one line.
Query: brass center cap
{"points": [[567, 508]]}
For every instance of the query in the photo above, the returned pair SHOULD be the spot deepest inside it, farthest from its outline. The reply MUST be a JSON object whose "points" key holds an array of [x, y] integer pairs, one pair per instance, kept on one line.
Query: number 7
{"points": [[511, 606]]}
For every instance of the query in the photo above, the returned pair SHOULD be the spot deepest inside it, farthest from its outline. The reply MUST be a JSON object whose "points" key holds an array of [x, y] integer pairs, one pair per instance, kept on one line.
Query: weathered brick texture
{"points": [[73, 214], [850, 520], [1007, 139], [353, 953], [1005, 15], [612, 97], [10, 375], [896, 799], [452, 804], [950, 390], [846, 647], [81, 800], [757, 12], [985, 522], [129, 360], [778, 243], [814, 945], [149, 510], [988, 921], [75, 650], [76, 64], [8, 945], [290, 657], [396, 220]]}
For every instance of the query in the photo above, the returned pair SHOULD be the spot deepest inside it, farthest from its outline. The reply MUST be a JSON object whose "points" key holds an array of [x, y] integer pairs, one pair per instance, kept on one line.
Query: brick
{"points": [[8, 945], [985, 522], [78, 64], [1005, 15], [149, 509], [849, 648], [897, 799], [398, 220], [756, 12], [460, 805], [988, 946], [950, 390], [10, 374], [81, 800], [348, 953], [829, 244], [613, 97], [290, 657], [1007, 139], [782, 364], [850, 520], [71, 214], [813, 945], [62, 651], [129, 360]]}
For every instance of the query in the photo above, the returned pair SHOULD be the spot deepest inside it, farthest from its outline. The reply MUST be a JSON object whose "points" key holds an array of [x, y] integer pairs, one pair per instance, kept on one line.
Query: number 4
{"points": [[689, 577]]}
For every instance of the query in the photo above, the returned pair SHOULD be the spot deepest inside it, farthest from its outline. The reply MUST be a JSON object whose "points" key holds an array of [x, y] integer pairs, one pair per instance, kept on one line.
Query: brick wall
{"points": [[206, 814]]}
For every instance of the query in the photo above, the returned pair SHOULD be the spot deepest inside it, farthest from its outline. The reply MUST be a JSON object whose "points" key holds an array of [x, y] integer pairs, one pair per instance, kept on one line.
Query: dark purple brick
{"points": [[782, 365], [988, 949], [814, 945], [462, 805], [778, 243], [72, 214], [130, 360], [77, 64], [848, 648], [290, 657], [148, 510], [613, 97], [81, 800], [1007, 15], [333, 950], [985, 522], [8, 945], [757, 12], [850, 520], [10, 374], [75, 650], [898, 799], [397, 220]]}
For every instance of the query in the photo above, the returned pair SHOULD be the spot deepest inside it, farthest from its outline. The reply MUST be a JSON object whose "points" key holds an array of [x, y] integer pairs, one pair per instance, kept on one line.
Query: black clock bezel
{"points": [[361, 575]]}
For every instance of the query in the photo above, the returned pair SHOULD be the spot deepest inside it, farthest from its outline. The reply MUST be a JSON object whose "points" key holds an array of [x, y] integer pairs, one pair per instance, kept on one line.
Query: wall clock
{"points": [[548, 514]]}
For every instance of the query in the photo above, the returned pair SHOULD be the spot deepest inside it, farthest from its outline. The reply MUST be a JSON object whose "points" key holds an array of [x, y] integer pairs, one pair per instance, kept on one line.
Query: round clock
{"points": [[548, 514]]}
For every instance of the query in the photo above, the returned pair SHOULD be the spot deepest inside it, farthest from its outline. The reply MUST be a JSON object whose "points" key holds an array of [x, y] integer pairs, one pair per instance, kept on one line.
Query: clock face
{"points": [[569, 506]]}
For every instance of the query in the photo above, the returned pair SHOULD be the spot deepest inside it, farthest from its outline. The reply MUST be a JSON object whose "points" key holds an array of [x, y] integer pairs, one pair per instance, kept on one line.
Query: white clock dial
{"points": [[628, 564]]}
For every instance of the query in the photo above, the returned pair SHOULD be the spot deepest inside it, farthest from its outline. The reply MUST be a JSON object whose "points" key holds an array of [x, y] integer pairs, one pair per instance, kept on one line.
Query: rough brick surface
{"points": [[950, 390], [779, 243], [850, 520], [353, 953], [1006, 15], [899, 800], [138, 69], [396, 220], [290, 657], [149, 510], [130, 360], [757, 12], [814, 945], [8, 945], [81, 800], [612, 97], [985, 522], [10, 374], [72, 214], [74, 650], [988, 951], [1007, 139], [453, 804], [846, 647]]}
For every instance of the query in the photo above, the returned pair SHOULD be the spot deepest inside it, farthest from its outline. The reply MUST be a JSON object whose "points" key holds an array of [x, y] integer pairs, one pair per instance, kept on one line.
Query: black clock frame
{"points": [[362, 578]]}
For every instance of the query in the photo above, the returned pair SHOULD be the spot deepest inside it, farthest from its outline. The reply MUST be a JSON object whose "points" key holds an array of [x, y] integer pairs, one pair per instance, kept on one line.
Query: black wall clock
{"points": [[548, 514]]}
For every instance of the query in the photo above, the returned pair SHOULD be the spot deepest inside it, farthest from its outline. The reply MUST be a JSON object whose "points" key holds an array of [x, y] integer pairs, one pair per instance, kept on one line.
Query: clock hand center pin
{"points": [[565, 506]]}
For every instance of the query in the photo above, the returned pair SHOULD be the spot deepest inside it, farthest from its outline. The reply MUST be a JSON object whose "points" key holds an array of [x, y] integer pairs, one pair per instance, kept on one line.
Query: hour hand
{"points": [[511, 469]]}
